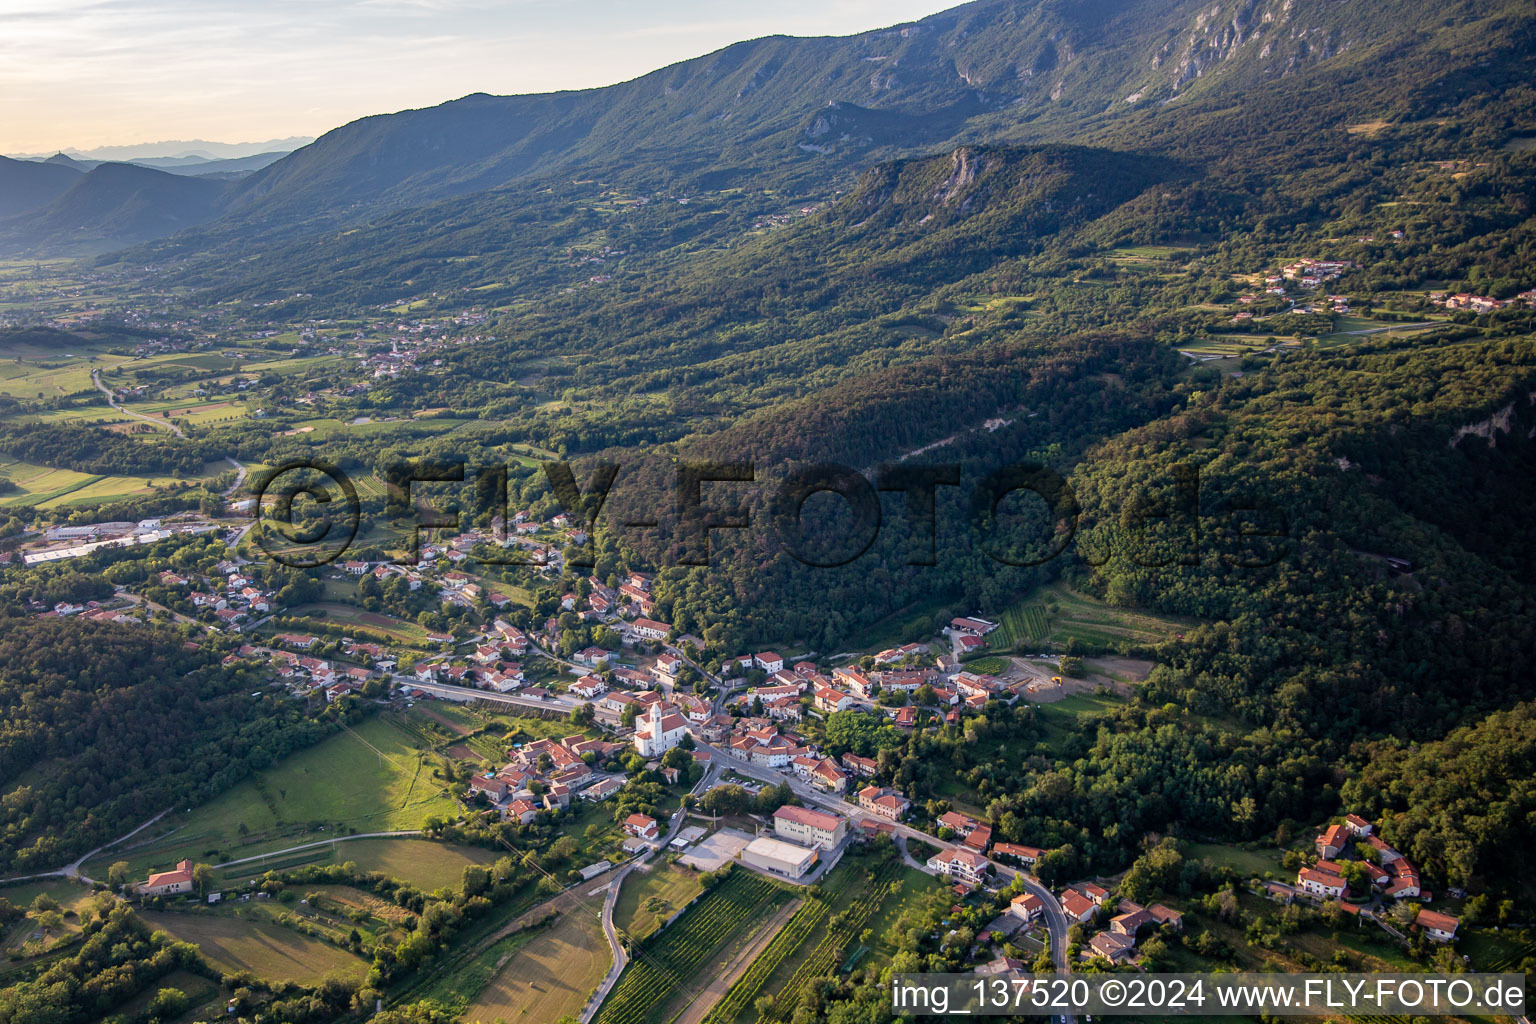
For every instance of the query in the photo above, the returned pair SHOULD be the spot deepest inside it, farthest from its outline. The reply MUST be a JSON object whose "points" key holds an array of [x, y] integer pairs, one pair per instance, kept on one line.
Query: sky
{"points": [[84, 73]]}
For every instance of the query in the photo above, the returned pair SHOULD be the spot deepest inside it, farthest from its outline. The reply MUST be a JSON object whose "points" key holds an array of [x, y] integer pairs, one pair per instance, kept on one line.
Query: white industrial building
{"points": [[779, 857]]}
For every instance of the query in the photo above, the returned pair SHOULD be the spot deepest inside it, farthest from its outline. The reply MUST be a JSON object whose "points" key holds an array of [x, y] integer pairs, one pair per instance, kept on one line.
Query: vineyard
{"points": [[810, 914], [829, 952], [663, 965], [1023, 626]]}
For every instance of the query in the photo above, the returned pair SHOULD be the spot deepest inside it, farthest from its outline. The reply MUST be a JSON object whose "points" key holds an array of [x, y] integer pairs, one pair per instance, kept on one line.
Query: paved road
{"points": [[72, 870], [620, 956], [317, 843], [163, 424], [558, 702], [240, 474]]}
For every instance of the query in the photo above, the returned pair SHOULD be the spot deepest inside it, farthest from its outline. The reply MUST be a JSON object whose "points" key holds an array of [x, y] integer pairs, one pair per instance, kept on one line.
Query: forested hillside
{"points": [[103, 726]]}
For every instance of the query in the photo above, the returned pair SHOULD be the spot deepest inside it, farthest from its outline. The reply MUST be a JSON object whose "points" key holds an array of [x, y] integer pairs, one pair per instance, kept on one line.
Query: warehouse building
{"points": [[779, 857]]}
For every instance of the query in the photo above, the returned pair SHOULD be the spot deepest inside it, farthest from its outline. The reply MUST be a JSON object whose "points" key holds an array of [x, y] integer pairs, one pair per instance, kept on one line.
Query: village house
{"points": [[768, 661], [641, 826], [1026, 906], [962, 865], [1333, 842], [1439, 927], [888, 803]]}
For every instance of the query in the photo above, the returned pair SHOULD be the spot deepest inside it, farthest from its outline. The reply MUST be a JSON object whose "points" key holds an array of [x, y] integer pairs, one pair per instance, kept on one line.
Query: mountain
{"points": [[989, 70], [199, 148], [25, 185], [111, 206], [808, 114], [200, 167]]}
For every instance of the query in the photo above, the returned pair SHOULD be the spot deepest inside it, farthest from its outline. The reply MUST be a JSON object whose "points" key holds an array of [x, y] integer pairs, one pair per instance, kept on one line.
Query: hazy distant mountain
{"points": [[111, 206], [26, 185], [194, 148], [201, 167]]}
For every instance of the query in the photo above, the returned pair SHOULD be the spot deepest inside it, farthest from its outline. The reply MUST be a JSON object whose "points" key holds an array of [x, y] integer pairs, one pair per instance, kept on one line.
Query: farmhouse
{"points": [[1440, 927], [168, 883]]}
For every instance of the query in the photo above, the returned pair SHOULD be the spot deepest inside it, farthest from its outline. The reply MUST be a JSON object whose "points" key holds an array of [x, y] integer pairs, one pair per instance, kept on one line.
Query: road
{"points": [[72, 870], [318, 843], [1056, 921], [558, 703], [240, 474], [615, 945], [112, 401]]}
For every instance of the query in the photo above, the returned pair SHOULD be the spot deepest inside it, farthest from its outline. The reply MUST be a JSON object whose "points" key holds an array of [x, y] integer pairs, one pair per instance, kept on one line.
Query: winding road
{"points": [[112, 401]]}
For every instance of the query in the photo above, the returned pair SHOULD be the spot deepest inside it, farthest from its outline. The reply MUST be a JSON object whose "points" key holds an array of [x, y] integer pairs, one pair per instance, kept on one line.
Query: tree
{"points": [[117, 874], [202, 877]]}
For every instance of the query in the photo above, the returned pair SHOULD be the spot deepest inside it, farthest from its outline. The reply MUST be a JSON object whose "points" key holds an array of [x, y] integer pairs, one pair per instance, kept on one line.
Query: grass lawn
{"points": [[1061, 719], [374, 778], [269, 951], [1254, 863], [27, 935], [422, 862], [549, 976], [356, 620], [649, 898]]}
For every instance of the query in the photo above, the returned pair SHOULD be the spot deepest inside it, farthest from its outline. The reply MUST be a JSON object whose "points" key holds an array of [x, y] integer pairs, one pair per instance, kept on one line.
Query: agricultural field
{"points": [[1065, 613], [269, 951], [665, 974], [43, 929], [649, 898], [424, 863], [861, 891], [547, 976], [377, 777]]}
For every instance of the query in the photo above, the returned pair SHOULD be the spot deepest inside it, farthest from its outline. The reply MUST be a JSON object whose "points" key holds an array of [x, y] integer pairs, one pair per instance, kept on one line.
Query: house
{"points": [[768, 661], [1333, 842], [1440, 927], [168, 883], [522, 811], [1002, 965], [967, 867], [809, 828], [1357, 825], [1097, 893], [667, 668], [1405, 879], [866, 767], [659, 732], [959, 823], [592, 657], [828, 777], [603, 790], [888, 803], [641, 826], [495, 789], [971, 644], [650, 629], [1025, 855], [1165, 915], [1128, 924], [979, 839], [1112, 947], [1322, 883], [588, 687], [1027, 906], [1077, 906], [828, 700]]}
